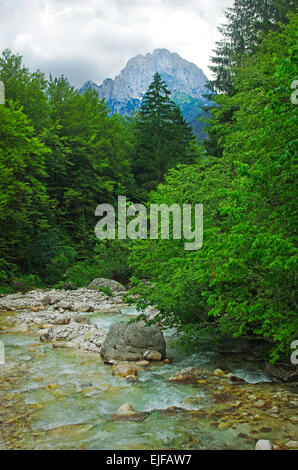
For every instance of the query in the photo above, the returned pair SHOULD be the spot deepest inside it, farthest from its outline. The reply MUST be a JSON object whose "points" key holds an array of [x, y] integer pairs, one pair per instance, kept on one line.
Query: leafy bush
{"points": [[106, 290], [110, 260], [50, 255]]}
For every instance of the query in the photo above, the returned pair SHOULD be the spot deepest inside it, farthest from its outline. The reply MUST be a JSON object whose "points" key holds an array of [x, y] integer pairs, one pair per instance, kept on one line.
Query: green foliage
{"points": [[246, 23], [60, 156], [24, 203], [82, 273], [50, 255], [193, 110], [113, 257], [109, 260], [106, 290], [242, 282], [162, 137], [25, 89], [88, 164]]}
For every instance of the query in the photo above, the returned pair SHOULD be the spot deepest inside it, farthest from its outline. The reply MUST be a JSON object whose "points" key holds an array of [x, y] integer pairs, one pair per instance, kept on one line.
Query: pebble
{"points": [[259, 404]]}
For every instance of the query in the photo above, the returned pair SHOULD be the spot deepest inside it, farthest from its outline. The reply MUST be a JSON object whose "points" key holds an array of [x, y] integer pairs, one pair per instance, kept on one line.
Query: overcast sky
{"points": [[93, 39]]}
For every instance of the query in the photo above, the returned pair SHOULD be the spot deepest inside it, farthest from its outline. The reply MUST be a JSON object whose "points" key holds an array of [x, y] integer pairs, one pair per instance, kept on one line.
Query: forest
{"points": [[62, 154]]}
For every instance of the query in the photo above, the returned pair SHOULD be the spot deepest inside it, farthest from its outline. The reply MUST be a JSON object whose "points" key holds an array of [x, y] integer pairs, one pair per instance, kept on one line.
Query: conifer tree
{"points": [[162, 135], [241, 33]]}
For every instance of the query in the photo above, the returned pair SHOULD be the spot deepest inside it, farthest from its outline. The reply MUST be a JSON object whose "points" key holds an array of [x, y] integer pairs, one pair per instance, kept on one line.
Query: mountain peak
{"points": [[126, 91], [162, 52], [133, 81]]}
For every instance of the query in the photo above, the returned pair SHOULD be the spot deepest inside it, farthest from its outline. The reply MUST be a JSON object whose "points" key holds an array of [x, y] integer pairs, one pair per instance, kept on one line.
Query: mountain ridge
{"points": [[125, 92]]}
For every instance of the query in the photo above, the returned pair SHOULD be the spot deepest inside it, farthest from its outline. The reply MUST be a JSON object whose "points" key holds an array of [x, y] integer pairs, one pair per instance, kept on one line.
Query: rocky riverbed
{"points": [[63, 315], [57, 392]]}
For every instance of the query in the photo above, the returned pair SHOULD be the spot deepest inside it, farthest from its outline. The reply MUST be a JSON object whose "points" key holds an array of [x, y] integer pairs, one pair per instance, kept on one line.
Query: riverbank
{"points": [[66, 397]]}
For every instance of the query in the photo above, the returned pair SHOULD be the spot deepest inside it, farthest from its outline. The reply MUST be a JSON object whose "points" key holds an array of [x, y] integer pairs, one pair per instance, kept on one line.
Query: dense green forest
{"points": [[61, 155]]}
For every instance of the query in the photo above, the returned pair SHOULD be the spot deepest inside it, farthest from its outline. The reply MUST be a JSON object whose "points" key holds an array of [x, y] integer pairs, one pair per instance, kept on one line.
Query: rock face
{"points": [[184, 79], [132, 342], [101, 282]]}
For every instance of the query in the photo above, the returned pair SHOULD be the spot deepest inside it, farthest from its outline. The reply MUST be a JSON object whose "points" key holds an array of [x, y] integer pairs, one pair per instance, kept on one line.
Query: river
{"points": [[66, 399]]}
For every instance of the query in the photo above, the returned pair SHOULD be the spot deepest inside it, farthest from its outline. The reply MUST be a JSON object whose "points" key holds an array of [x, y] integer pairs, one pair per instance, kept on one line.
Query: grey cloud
{"points": [[95, 38]]}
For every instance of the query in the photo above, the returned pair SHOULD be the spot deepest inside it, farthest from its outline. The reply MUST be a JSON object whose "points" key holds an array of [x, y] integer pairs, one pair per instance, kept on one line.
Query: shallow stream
{"points": [[66, 399]]}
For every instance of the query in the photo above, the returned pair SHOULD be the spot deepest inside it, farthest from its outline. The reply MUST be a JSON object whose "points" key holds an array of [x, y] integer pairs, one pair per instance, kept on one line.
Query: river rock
{"points": [[67, 345], [263, 444], [124, 369], [131, 378], [292, 445], [274, 410], [125, 410], [64, 306], [81, 308], [143, 363], [94, 339], [190, 375], [259, 404], [101, 282], [151, 312], [60, 300], [51, 299], [130, 342], [294, 419], [218, 373], [152, 355], [21, 328], [83, 336], [82, 319]]}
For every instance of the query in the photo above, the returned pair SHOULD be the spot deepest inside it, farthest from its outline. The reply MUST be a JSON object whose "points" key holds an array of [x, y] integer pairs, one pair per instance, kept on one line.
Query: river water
{"points": [[66, 399]]}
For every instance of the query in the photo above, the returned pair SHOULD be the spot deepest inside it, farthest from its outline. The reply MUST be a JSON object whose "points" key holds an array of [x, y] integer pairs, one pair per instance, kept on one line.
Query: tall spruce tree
{"points": [[163, 138], [241, 33]]}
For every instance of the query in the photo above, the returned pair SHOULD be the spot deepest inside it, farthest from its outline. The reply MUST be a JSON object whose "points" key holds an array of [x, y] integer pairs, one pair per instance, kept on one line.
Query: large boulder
{"points": [[133, 342], [101, 282]]}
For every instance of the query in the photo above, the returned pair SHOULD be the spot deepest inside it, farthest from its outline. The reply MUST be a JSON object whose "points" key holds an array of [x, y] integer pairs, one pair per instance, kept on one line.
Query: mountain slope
{"points": [[184, 79]]}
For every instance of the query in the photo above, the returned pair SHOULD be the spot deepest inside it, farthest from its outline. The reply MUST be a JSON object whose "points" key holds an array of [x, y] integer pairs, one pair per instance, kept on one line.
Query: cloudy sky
{"points": [[93, 39]]}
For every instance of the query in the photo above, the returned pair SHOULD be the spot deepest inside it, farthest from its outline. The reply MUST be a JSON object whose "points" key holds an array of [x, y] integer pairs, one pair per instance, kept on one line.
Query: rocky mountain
{"points": [[184, 79]]}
